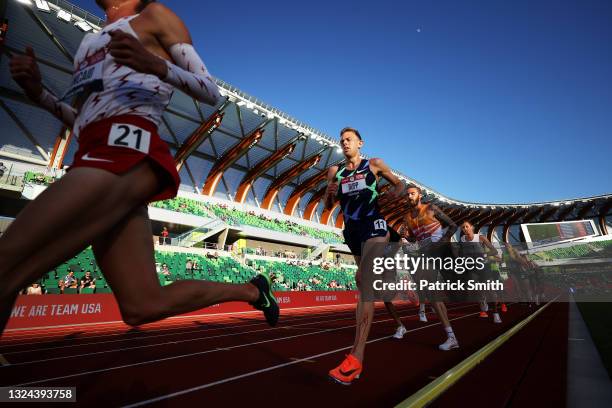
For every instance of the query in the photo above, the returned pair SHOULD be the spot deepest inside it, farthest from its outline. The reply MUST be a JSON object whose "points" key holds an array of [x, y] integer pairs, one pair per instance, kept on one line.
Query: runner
{"points": [[124, 77], [482, 247], [425, 223], [355, 185]]}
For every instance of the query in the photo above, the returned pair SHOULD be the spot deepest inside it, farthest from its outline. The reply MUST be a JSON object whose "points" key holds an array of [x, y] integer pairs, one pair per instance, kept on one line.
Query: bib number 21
{"points": [[129, 136]]}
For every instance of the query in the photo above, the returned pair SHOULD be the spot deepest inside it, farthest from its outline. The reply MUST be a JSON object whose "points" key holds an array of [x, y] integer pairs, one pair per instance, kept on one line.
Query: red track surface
{"points": [[237, 359]]}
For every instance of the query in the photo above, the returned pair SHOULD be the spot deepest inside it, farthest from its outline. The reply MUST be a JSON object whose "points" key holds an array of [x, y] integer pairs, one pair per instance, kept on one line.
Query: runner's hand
{"points": [[25, 72], [128, 51], [332, 189]]}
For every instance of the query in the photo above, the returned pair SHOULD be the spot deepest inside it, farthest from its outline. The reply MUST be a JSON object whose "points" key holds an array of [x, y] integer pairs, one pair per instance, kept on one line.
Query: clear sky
{"points": [[483, 100]]}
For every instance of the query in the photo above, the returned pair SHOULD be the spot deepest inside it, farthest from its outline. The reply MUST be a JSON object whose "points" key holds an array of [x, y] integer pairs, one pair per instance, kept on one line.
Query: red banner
{"points": [[58, 310]]}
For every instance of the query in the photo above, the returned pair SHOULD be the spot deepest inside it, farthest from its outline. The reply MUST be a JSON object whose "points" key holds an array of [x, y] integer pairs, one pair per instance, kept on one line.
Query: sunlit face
{"points": [[467, 228], [414, 197], [350, 143]]}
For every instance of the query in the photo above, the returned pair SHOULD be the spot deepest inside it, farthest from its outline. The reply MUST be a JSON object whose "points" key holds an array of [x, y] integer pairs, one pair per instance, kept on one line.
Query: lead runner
{"points": [[124, 77]]}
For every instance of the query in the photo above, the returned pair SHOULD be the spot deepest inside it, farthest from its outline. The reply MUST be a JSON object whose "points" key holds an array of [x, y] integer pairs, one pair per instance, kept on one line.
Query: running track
{"points": [[235, 359]]}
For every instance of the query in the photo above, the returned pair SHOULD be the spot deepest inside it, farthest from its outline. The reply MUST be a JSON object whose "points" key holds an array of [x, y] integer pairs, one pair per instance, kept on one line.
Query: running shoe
{"points": [[349, 370], [399, 333], [496, 318], [423, 317], [483, 314], [266, 301], [504, 308], [450, 343]]}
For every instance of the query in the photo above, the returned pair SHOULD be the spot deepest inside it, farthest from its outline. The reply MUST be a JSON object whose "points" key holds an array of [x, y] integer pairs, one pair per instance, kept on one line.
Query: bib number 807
{"points": [[130, 136]]}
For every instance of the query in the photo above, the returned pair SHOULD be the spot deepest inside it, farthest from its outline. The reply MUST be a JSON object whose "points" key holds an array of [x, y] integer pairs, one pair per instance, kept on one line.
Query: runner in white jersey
{"points": [[474, 244], [123, 80]]}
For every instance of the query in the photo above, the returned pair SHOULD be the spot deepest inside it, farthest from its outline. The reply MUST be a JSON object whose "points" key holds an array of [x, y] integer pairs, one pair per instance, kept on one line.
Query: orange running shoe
{"points": [[504, 308], [346, 372], [484, 314]]}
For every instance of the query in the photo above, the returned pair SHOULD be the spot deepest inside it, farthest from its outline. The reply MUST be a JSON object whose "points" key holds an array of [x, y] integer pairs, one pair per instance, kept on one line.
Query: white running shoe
{"points": [[423, 317], [449, 344], [399, 333], [484, 307], [496, 318]]}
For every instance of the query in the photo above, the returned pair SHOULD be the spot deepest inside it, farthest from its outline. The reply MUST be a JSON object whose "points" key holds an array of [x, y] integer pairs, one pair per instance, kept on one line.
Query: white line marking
{"points": [[263, 370], [102, 370], [351, 314], [197, 339]]}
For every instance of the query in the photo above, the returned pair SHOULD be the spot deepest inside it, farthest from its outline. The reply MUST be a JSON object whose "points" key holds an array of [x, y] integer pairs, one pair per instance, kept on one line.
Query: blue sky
{"points": [[483, 100]]}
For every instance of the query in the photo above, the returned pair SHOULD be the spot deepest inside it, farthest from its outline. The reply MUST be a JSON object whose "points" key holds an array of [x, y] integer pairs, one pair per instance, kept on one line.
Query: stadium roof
{"points": [[242, 149]]}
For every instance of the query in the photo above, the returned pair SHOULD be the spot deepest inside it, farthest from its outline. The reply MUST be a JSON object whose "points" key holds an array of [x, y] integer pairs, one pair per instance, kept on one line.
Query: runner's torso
{"points": [[110, 89], [357, 192], [471, 247], [424, 225]]}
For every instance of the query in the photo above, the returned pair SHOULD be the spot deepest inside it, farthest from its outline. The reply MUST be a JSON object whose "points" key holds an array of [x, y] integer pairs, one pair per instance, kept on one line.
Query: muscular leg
{"points": [[64, 220], [125, 255], [442, 313], [365, 309], [393, 312]]}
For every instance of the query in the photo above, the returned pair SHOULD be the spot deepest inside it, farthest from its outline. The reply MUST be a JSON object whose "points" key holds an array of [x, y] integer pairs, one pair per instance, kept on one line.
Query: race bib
{"points": [[353, 184], [129, 136], [380, 224], [88, 76]]}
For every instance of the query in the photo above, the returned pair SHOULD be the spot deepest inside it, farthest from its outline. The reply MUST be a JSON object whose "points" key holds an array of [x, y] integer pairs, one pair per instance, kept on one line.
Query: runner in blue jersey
{"points": [[355, 185]]}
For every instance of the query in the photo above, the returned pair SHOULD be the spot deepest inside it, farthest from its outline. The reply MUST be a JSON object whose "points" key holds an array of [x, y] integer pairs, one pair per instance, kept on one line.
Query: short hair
{"points": [[411, 185], [350, 129]]}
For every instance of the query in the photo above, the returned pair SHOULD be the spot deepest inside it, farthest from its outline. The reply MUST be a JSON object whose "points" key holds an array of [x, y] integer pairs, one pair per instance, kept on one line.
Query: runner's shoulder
{"points": [[161, 14]]}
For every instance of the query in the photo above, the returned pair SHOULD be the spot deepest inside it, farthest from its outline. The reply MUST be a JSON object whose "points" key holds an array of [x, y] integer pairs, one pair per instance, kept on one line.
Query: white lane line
{"points": [[144, 332], [350, 314], [102, 370], [275, 367], [194, 339]]}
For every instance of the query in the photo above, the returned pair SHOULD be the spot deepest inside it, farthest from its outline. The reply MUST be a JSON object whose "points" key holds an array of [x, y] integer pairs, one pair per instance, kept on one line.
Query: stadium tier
{"points": [[595, 249], [237, 217], [214, 266]]}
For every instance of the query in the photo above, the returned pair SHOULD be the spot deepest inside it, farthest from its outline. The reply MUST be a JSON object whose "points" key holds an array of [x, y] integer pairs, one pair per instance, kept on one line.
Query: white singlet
{"points": [[115, 89]]}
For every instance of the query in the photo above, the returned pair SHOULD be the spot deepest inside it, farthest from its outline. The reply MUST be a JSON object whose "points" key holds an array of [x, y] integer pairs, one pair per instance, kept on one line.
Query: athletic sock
{"points": [[449, 332], [422, 308]]}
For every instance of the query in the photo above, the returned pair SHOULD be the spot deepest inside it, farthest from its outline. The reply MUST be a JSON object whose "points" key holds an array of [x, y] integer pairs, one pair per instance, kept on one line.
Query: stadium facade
{"points": [[242, 150]]}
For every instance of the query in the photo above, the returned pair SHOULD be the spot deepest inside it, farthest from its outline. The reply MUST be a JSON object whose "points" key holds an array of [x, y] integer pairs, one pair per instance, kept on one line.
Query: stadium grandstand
{"points": [[253, 180]]}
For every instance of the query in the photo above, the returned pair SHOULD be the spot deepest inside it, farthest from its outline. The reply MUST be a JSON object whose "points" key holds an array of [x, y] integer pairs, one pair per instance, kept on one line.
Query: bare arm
{"points": [[446, 222], [332, 187], [380, 168], [492, 250], [25, 71], [188, 72]]}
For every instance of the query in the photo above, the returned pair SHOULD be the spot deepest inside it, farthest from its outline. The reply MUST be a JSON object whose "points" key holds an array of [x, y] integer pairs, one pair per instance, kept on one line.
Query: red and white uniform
{"points": [[125, 91]]}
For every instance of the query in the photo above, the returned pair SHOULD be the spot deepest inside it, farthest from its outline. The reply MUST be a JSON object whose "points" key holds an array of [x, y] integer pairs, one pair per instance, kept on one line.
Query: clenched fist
{"points": [[128, 51]]}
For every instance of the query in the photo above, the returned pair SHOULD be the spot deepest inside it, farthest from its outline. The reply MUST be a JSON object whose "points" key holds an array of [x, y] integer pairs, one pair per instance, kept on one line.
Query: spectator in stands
{"points": [[88, 281], [2, 169], [163, 239], [164, 270], [189, 266], [69, 281], [216, 255], [34, 289], [301, 285]]}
